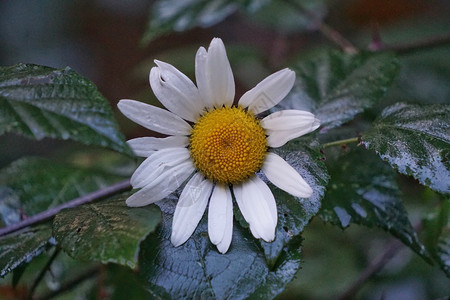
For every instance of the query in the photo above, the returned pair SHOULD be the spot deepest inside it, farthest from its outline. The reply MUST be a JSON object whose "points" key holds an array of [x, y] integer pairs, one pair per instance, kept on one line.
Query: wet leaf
{"points": [[31, 185], [415, 140], [38, 102], [363, 190], [295, 213], [197, 270], [437, 234], [107, 231], [336, 86], [21, 247], [178, 16]]}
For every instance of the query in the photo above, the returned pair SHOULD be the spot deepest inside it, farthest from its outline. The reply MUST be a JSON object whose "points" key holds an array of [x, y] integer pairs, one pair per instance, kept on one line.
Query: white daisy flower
{"points": [[215, 146]]}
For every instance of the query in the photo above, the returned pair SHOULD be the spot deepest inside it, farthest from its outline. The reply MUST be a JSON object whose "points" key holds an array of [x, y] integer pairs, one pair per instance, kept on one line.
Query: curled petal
{"points": [[166, 183], [160, 162], [175, 91]]}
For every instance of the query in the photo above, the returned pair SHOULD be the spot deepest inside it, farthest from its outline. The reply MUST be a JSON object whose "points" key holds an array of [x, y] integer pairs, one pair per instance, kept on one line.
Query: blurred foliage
{"points": [[395, 103]]}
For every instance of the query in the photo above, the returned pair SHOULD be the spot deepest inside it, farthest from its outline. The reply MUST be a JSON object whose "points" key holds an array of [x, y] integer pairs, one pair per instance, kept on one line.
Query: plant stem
{"points": [[373, 268], [341, 142], [428, 43], [42, 273], [45, 215], [71, 284], [329, 32]]}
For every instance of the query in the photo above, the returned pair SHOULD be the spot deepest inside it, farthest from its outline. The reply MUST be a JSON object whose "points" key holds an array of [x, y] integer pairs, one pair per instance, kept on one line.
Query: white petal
{"points": [[225, 243], [258, 207], [268, 92], [281, 174], [288, 119], [175, 91], [166, 183], [277, 138], [161, 161], [214, 76], [219, 205], [154, 118], [190, 208], [146, 146]]}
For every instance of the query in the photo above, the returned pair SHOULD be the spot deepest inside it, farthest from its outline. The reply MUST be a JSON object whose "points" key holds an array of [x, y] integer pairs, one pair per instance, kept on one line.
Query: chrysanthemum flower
{"points": [[216, 146]]}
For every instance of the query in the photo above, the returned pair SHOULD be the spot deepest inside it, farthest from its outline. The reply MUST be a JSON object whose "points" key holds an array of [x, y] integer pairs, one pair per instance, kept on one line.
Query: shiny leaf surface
{"points": [[363, 190], [38, 102], [415, 140], [197, 270], [107, 231], [336, 86], [21, 247]]}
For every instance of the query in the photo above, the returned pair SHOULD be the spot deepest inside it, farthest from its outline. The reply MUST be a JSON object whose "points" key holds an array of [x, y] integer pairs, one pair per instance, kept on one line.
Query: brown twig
{"points": [[71, 284], [45, 215], [372, 269], [42, 273], [327, 31], [427, 43]]}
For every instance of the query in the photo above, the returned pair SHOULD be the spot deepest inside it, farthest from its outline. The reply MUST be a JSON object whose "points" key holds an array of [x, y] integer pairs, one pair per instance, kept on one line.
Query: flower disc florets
{"points": [[228, 145]]}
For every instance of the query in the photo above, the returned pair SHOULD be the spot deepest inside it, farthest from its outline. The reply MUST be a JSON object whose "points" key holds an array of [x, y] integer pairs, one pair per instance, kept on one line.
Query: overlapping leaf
{"points": [[39, 102], [415, 139], [197, 270], [31, 185], [336, 86], [107, 231], [23, 246], [173, 15], [363, 190]]}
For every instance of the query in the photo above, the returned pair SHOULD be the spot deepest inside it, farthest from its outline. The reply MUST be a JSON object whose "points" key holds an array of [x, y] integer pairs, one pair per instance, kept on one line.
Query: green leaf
{"points": [[363, 190], [295, 213], [21, 247], [437, 233], [415, 140], [31, 185], [174, 15], [197, 270], [288, 17], [107, 231], [39, 102], [336, 86]]}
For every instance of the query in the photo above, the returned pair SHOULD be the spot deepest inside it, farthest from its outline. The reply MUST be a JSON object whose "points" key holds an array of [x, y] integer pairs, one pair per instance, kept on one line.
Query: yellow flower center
{"points": [[228, 145]]}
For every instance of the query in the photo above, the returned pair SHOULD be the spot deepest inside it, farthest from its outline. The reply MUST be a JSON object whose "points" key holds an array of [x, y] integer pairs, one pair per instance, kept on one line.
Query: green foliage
{"points": [[336, 86], [415, 140], [363, 190], [21, 247], [39, 102], [167, 16], [107, 231], [31, 185], [437, 226], [197, 270]]}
